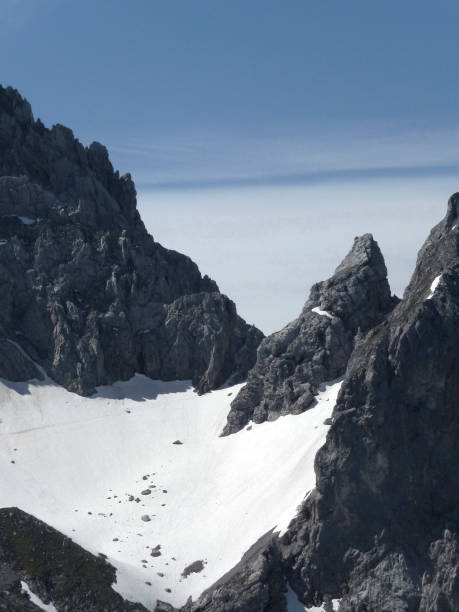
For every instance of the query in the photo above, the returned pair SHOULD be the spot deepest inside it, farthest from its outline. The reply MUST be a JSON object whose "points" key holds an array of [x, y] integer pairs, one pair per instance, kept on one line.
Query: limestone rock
{"points": [[315, 348], [46, 560], [84, 289], [381, 529]]}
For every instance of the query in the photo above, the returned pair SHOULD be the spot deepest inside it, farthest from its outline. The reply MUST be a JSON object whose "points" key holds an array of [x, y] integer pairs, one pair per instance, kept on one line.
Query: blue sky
{"points": [[234, 95]]}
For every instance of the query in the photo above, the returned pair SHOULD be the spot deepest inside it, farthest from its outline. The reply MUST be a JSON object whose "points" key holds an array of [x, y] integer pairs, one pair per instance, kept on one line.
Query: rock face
{"points": [[256, 584], [315, 348], [382, 527], [55, 569], [381, 530], [84, 289]]}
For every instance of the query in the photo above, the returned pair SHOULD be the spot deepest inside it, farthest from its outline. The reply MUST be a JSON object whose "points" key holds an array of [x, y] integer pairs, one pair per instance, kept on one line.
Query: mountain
{"points": [[315, 348], [380, 530], [335, 485], [85, 290]]}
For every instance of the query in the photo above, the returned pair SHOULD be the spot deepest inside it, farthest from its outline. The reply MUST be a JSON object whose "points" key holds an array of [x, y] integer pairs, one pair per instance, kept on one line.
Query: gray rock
{"points": [[85, 290], [193, 568], [256, 584], [46, 560], [315, 348], [381, 529], [15, 365]]}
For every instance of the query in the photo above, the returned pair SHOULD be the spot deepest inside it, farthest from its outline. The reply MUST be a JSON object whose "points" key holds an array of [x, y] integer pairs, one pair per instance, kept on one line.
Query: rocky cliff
{"points": [[84, 289], [380, 531], [315, 348], [382, 527]]}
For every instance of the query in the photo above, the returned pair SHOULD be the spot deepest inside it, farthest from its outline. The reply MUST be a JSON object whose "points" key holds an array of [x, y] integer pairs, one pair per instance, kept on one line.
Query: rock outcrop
{"points": [[315, 348], [85, 291], [381, 529], [256, 584], [54, 568]]}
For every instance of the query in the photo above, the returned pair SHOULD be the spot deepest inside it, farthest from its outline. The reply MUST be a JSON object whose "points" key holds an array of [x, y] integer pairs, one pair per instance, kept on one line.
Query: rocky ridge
{"points": [[85, 291], [54, 567], [380, 531], [315, 348]]}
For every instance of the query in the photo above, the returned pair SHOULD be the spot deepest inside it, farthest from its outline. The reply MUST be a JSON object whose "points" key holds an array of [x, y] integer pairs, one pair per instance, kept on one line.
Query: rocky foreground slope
{"points": [[84, 289], [54, 568], [380, 531]]}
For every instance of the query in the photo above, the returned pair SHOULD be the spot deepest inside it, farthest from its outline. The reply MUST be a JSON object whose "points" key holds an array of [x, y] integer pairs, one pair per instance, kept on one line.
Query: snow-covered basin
{"points": [[73, 462]]}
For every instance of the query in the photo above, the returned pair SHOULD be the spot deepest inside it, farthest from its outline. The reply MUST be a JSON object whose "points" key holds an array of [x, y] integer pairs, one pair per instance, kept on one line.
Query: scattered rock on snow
{"points": [[193, 568]]}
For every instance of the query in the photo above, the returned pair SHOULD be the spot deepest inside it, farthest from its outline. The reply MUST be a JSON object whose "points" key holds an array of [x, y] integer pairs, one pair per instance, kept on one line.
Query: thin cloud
{"points": [[219, 160]]}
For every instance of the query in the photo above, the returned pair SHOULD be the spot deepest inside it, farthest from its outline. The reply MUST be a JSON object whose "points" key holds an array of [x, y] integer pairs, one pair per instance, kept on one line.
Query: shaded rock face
{"points": [[381, 529], [315, 348], [256, 584], [84, 289], [55, 569]]}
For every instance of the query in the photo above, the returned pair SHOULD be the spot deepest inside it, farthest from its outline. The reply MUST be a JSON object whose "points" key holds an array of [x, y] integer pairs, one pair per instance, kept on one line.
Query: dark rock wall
{"points": [[84, 289], [381, 530], [382, 527], [55, 568]]}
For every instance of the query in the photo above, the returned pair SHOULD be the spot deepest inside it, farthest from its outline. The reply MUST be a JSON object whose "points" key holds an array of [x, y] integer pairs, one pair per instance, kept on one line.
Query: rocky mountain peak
{"points": [[358, 291], [85, 290], [13, 104], [382, 528], [294, 362], [453, 209]]}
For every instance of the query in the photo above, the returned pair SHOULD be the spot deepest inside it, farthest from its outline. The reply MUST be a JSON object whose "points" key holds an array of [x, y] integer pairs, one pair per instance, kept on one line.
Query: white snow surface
{"points": [[433, 286], [324, 313], [35, 599], [27, 220], [73, 462]]}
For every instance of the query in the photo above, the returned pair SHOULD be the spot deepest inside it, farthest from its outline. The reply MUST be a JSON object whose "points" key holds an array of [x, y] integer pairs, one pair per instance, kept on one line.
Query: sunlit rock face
{"points": [[315, 348], [85, 290]]}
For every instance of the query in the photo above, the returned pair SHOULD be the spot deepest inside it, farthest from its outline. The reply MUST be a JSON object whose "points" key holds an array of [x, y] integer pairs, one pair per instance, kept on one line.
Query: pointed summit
{"points": [[315, 348], [384, 519]]}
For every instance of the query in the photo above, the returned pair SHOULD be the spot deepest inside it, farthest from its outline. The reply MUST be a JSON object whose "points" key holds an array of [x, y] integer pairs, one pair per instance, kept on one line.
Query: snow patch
{"points": [[80, 464], [35, 599], [27, 220], [324, 313], [433, 286], [24, 220]]}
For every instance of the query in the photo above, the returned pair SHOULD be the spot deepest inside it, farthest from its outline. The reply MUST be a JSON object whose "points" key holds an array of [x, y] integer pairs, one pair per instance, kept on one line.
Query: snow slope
{"points": [[80, 464]]}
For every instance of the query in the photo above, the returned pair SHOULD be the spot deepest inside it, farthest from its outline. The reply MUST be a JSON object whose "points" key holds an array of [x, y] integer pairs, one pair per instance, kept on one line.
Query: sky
{"points": [[262, 135]]}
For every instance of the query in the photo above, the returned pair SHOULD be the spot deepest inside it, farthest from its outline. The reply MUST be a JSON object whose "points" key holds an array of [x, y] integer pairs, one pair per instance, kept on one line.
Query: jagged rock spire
{"points": [[292, 363]]}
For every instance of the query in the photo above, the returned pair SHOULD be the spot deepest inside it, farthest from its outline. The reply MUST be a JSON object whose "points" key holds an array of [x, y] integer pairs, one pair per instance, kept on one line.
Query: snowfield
{"points": [[106, 472]]}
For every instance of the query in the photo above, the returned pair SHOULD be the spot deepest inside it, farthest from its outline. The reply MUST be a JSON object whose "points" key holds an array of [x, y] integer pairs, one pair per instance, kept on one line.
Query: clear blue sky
{"points": [[227, 93]]}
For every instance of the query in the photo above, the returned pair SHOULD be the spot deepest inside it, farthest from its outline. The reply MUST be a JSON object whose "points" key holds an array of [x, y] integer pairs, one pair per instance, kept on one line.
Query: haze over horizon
{"points": [[262, 136]]}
